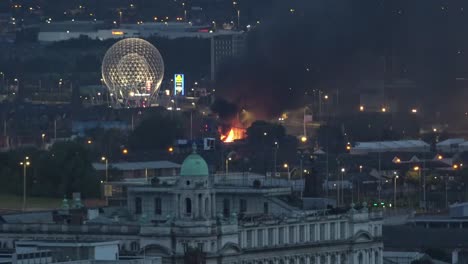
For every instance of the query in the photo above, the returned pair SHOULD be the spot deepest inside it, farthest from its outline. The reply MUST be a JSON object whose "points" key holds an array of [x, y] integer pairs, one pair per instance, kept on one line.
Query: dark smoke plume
{"points": [[225, 110], [303, 46]]}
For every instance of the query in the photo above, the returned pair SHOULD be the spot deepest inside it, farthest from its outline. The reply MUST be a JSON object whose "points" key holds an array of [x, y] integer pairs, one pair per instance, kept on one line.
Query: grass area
{"points": [[13, 202]]}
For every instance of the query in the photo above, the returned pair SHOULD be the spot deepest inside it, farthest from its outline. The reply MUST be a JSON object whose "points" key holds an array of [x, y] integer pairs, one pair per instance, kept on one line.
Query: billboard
{"points": [[179, 84]]}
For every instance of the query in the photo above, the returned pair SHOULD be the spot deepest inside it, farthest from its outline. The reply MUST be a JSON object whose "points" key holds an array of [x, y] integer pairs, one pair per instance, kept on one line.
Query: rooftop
{"points": [[128, 166]]}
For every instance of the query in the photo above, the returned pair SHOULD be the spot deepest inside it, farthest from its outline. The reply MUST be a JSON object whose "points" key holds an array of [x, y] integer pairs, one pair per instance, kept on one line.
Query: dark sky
{"points": [[335, 44]]}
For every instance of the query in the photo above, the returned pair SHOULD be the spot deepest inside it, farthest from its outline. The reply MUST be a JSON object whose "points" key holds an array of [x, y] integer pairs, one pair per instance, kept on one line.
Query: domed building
{"points": [[243, 218], [238, 218]]}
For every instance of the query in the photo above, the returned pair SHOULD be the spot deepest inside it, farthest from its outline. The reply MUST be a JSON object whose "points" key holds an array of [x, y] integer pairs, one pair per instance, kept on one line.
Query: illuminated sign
{"points": [[179, 84], [118, 33]]}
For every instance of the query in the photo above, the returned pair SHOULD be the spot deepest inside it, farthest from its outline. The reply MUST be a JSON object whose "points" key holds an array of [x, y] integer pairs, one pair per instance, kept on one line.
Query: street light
{"points": [[227, 164], [25, 163], [106, 161], [43, 139], [286, 166], [341, 185], [421, 182], [394, 191]]}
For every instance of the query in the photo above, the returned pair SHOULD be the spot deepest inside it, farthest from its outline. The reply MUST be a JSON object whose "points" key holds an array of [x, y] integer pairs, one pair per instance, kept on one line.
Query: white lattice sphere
{"points": [[133, 70]]}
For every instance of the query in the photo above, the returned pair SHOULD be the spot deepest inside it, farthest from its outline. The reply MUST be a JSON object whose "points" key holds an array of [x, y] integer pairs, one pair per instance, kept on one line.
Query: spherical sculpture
{"points": [[133, 70]]}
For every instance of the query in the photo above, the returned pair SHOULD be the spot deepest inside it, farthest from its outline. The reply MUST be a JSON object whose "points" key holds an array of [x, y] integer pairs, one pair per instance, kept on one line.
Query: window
{"points": [[207, 207], [226, 207], [376, 256], [312, 232], [200, 246], [376, 231], [343, 258], [249, 238], [243, 205], [271, 238], [332, 231], [301, 233], [265, 208], [291, 234], [260, 237], [134, 246], [281, 235], [322, 231], [188, 206], [343, 230], [138, 208], [157, 206], [323, 259]]}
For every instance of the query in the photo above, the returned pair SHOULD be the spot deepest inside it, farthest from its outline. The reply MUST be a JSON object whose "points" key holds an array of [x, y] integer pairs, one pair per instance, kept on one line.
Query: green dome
{"points": [[194, 165]]}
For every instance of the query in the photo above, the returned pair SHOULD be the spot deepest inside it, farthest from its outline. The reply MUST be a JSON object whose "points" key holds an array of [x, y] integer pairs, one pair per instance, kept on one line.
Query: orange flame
{"points": [[233, 134], [229, 137]]}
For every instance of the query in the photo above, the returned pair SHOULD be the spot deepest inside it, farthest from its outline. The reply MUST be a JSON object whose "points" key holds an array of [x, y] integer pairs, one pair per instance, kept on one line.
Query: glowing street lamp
{"points": [[25, 163], [227, 165], [106, 161], [394, 190], [361, 108], [303, 139]]}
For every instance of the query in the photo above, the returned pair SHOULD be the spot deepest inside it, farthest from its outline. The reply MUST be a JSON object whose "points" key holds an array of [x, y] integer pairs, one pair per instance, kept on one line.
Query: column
{"points": [[202, 206], [195, 209]]}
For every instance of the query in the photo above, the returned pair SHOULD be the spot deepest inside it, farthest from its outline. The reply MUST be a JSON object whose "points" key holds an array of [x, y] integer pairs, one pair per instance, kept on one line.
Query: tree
{"points": [[65, 169], [158, 131]]}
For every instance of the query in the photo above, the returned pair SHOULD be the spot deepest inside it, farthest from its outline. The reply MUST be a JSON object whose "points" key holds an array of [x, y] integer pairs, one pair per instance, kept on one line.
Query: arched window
{"points": [[188, 206], [207, 207]]}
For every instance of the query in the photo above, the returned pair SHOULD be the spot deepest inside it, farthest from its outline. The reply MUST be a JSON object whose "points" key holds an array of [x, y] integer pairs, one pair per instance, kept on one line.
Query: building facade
{"points": [[197, 218], [224, 47]]}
